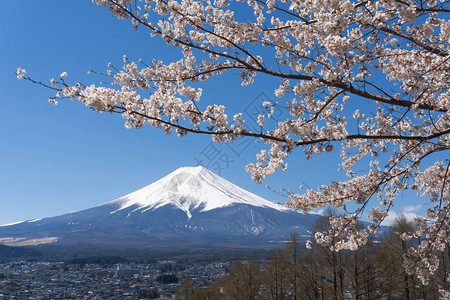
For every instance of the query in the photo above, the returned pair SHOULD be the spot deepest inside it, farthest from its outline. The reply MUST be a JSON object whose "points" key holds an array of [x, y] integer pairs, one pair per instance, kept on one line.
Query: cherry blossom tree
{"points": [[368, 78]]}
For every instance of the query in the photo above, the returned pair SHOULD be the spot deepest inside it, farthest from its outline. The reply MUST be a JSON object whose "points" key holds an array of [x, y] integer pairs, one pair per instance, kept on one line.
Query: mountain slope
{"points": [[191, 206]]}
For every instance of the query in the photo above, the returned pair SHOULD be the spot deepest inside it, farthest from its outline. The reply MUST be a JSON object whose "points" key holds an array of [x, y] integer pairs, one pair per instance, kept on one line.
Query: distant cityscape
{"points": [[59, 280]]}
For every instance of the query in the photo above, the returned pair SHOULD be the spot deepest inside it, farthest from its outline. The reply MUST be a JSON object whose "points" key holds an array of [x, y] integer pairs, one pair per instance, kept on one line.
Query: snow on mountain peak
{"points": [[191, 188]]}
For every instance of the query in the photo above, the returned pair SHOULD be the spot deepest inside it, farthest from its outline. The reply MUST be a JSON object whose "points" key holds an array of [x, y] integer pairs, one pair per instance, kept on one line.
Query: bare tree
{"points": [[333, 262], [275, 277], [243, 281]]}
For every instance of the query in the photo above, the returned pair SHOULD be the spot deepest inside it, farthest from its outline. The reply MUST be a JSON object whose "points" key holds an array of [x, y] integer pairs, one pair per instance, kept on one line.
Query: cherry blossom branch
{"points": [[346, 87], [436, 51], [383, 63]]}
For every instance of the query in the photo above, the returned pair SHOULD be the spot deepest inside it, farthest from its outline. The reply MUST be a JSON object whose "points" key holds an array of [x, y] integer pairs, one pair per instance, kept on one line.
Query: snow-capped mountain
{"points": [[190, 206], [191, 189]]}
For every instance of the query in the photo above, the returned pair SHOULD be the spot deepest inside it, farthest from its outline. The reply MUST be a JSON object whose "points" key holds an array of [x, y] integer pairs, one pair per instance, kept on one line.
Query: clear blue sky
{"points": [[58, 159]]}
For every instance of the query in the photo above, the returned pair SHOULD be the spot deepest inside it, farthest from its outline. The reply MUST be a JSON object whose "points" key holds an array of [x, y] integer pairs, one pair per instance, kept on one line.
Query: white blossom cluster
{"points": [[20, 73], [367, 78]]}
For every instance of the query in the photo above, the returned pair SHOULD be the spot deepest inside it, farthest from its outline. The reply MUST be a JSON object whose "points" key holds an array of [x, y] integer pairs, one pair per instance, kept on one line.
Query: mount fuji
{"points": [[189, 207]]}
